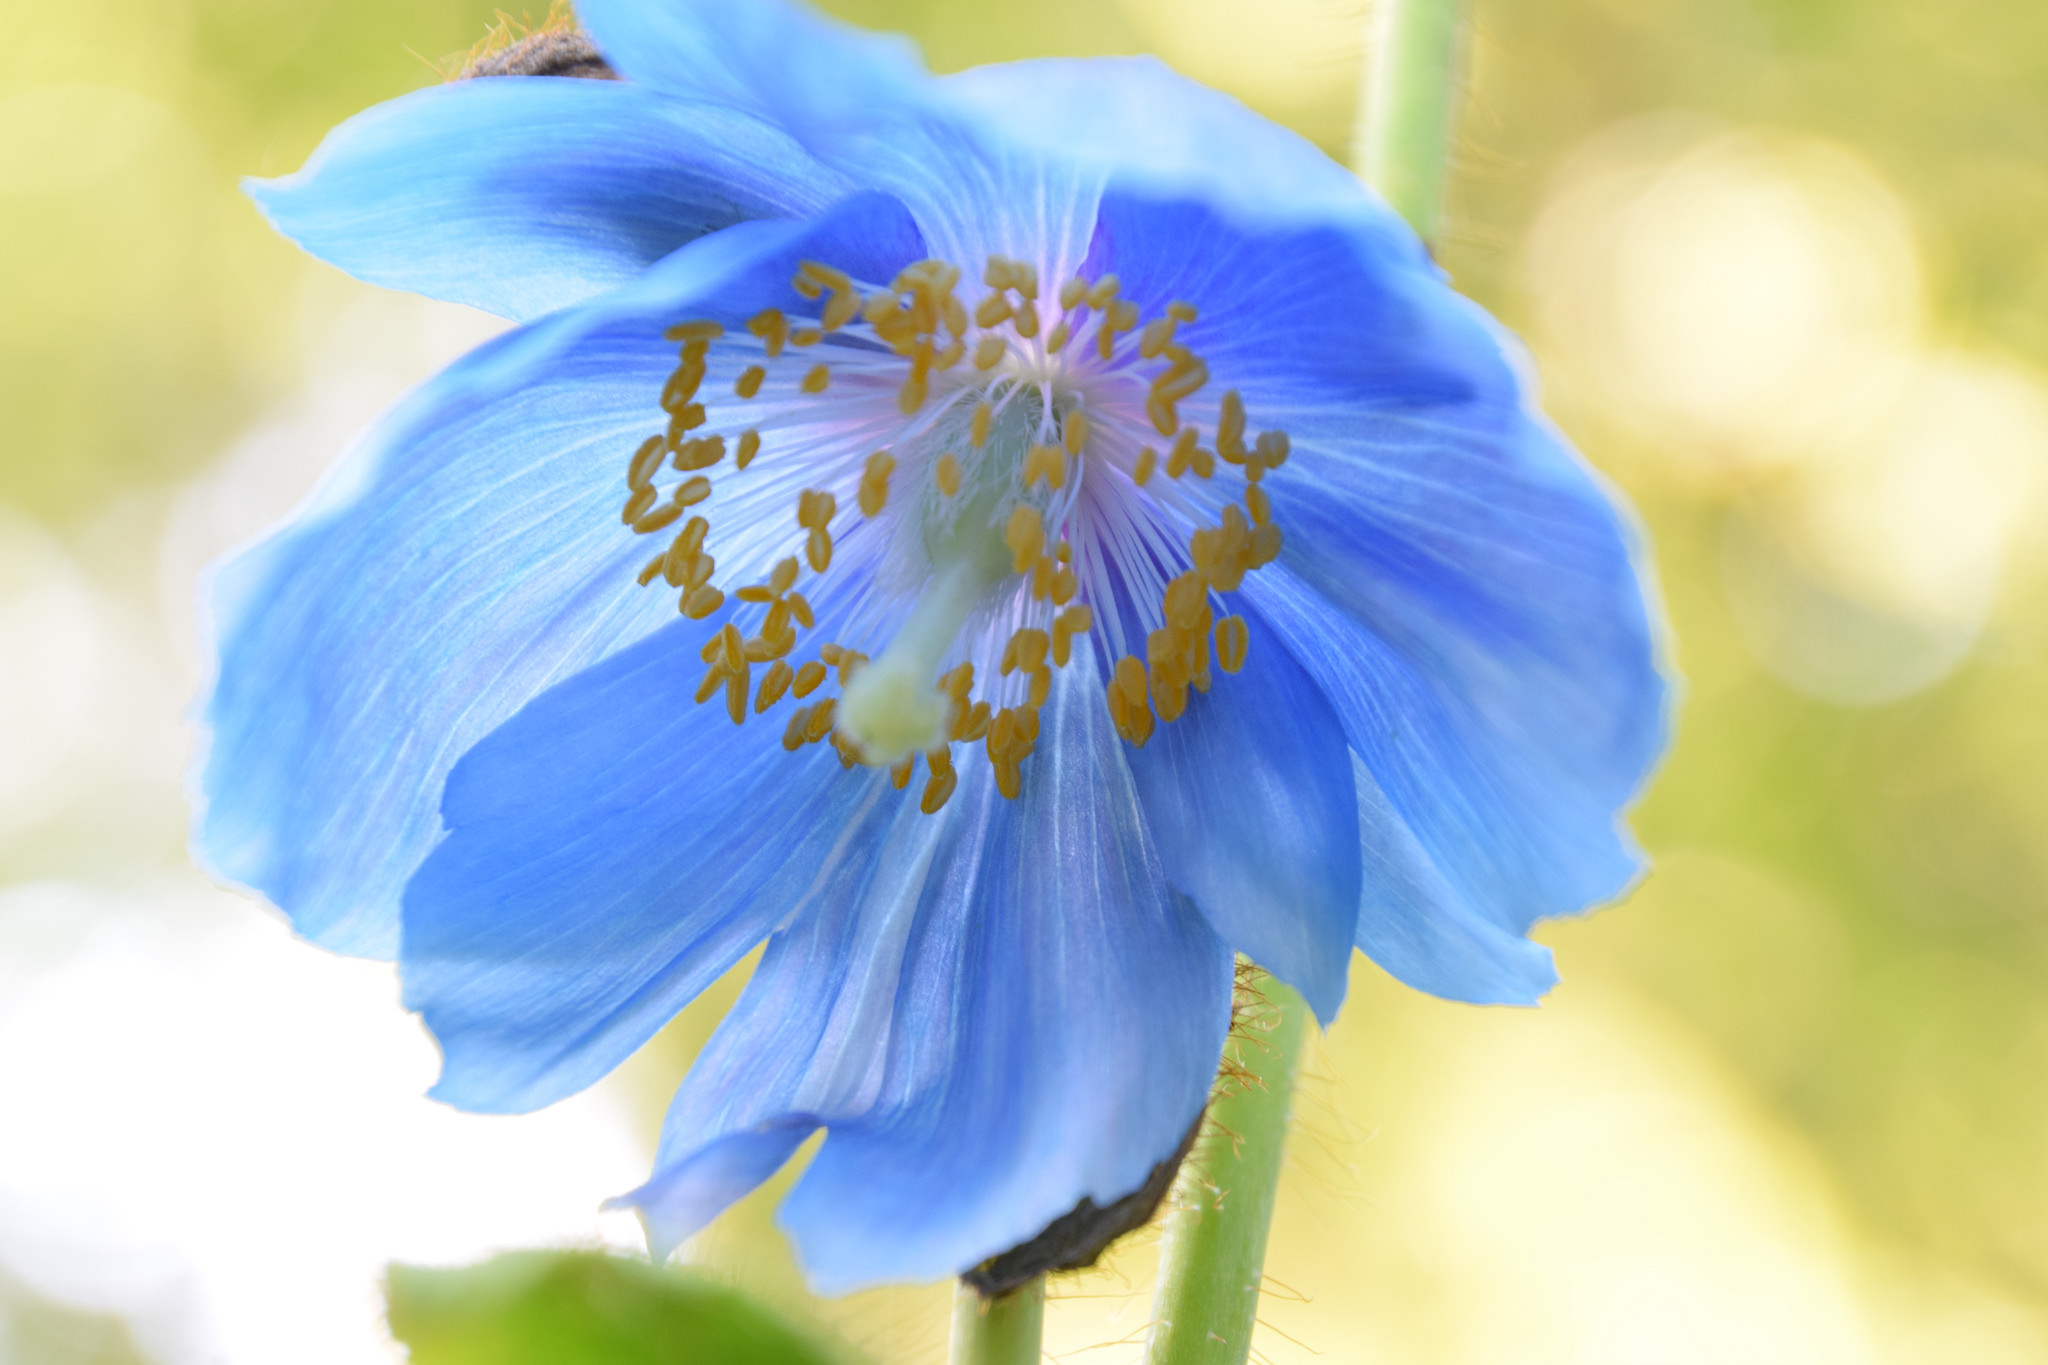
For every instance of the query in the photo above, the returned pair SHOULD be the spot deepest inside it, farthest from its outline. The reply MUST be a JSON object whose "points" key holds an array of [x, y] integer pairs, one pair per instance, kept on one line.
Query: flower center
{"points": [[1016, 503]]}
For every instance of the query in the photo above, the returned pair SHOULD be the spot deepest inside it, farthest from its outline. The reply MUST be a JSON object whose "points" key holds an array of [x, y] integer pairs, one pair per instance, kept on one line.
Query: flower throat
{"points": [[1036, 464]]}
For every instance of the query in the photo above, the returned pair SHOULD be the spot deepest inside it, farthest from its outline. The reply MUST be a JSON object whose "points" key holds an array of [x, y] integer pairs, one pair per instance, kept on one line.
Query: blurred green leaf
{"points": [[549, 1308]]}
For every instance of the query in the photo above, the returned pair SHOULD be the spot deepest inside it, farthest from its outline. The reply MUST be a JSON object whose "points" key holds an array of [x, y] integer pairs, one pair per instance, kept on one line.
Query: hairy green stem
{"points": [[1002, 1331], [1214, 1248], [1405, 109]]}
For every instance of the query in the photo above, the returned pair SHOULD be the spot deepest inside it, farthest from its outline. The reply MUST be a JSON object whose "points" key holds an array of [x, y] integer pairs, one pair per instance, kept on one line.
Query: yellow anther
{"points": [[701, 453], [1075, 432], [1184, 377], [1184, 599], [1064, 585], [637, 505], [702, 602], [1045, 462], [850, 661], [831, 653], [772, 328], [694, 331], [1130, 680], [1183, 453], [957, 681], [775, 626], [911, 396], [807, 336], [1120, 316], [1141, 472], [807, 678], [874, 482], [1024, 279], [820, 723], [946, 474], [687, 417], [646, 461], [899, 775], [1056, 339], [1009, 778], [949, 355], [692, 538], [992, 311], [1155, 338], [1133, 720], [760, 594], [793, 733], [1069, 623], [972, 723], [1026, 650], [1204, 463], [1181, 312], [1041, 686], [737, 685], [1165, 420], [652, 570], [1072, 292], [1272, 447], [818, 549], [1063, 552], [840, 310], [999, 273], [1026, 319], [782, 577], [938, 790], [815, 507], [682, 385], [698, 572], [1230, 425], [660, 518], [988, 352], [816, 380], [714, 678], [1041, 577], [806, 286], [1103, 291], [800, 608], [1259, 503], [750, 446], [1025, 535], [1233, 637], [690, 492], [732, 648], [977, 431], [956, 317], [1265, 544]]}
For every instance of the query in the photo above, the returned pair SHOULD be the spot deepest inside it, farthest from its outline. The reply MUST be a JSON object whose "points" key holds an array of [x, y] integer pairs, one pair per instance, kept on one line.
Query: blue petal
{"points": [[524, 195], [775, 58], [1148, 129], [467, 556], [613, 849], [1021, 1015], [1463, 589], [1249, 796], [862, 103]]}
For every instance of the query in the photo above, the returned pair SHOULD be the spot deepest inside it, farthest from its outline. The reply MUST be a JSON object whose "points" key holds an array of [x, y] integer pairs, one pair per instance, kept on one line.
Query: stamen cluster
{"points": [[1087, 388]]}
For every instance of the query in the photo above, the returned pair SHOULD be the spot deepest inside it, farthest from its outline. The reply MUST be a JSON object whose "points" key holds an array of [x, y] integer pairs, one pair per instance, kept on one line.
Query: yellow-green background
{"points": [[1788, 1104]]}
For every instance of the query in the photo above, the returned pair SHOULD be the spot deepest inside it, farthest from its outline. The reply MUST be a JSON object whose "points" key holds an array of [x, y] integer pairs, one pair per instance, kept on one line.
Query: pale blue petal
{"points": [[1147, 129], [1249, 796], [522, 195], [1061, 1013], [1463, 589], [466, 556], [862, 103], [612, 850], [1015, 1014]]}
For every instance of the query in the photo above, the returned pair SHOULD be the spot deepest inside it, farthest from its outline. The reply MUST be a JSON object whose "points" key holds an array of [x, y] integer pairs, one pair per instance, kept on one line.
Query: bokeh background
{"points": [[1783, 269]]}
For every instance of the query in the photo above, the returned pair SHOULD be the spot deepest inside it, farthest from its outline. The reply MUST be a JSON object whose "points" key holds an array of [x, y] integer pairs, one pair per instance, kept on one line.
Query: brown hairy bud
{"points": [[548, 52]]}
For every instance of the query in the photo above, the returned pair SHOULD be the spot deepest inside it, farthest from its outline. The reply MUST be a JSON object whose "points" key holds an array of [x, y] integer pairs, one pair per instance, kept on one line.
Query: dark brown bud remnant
{"points": [[1073, 1240], [549, 52]]}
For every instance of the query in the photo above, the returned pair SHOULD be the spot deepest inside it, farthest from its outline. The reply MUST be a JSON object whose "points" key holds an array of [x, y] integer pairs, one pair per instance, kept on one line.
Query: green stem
{"points": [[1002, 1331], [1214, 1248], [1411, 91]]}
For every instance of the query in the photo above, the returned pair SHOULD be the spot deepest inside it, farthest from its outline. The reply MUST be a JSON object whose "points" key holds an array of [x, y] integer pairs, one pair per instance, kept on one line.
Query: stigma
{"points": [[1004, 456]]}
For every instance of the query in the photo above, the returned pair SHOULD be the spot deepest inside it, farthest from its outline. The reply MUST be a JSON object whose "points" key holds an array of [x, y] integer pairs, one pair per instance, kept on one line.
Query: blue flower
{"points": [[1078, 535]]}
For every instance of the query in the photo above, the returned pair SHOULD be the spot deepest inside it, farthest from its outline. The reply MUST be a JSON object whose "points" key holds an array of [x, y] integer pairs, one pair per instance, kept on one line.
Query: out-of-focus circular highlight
{"points": [[1745, 308]]}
